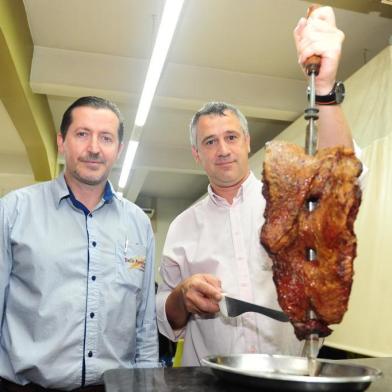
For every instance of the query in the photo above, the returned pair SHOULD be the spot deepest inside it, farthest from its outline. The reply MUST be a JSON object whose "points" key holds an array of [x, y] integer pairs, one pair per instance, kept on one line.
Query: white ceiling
{"points": [[238, 51]]}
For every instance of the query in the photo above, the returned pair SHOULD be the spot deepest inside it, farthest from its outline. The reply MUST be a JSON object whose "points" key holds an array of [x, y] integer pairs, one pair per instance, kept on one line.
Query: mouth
{"points": [[223, 164], [92, 163]]}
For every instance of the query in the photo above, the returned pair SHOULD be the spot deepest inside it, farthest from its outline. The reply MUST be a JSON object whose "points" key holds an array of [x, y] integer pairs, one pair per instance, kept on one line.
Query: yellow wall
{"points": [[28, 111]]}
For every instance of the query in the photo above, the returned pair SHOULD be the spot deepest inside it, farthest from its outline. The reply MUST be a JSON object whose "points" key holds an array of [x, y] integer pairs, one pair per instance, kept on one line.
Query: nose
{"points": [[223, 148], [93, 146]]}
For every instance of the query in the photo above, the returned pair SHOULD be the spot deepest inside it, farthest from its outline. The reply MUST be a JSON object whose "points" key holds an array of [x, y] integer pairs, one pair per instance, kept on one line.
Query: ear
{"points": [[120, 149], [247, 138], [195, 154], [60, 143]]}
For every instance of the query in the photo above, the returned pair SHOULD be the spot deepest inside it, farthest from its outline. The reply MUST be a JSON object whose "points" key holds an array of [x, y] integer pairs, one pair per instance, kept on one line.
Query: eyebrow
{"points": [[228, 131], [82, 128], [208, 137]]}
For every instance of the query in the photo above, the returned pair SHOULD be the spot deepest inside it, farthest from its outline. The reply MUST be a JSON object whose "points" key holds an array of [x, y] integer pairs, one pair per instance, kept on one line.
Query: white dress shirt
{"points": [[217, 238]]}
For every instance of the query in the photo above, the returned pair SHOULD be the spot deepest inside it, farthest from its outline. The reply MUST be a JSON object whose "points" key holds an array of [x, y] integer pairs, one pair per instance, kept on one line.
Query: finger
{"points": [[213, 281], [197, 303], [320, 44], [211, 288], [206, 306], [323, 13], [298, 31]]}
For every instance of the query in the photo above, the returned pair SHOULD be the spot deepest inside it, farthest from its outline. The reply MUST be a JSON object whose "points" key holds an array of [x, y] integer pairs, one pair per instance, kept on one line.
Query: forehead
{"points": [[216, 123], [96, 118]]}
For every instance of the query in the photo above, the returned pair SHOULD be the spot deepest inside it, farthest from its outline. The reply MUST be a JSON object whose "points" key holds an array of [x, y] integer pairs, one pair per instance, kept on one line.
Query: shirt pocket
{"points": [[130, 265]]}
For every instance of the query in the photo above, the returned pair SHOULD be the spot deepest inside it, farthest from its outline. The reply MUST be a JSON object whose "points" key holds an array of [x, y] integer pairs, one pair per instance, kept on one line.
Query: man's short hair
{"points": [[96, 103], [218, 109]]}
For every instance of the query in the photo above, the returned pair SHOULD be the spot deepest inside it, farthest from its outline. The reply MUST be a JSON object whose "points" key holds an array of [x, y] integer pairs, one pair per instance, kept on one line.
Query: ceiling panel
{"points": [[231, 50]]}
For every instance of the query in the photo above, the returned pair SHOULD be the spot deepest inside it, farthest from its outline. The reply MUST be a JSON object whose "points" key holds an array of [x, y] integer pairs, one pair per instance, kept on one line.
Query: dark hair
{"points": [[93, 102], [218, 109]]}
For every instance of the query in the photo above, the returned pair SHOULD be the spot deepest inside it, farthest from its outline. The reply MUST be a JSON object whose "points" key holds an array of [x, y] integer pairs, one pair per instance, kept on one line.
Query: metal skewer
{"points": [[312, 65], [311, 112]]}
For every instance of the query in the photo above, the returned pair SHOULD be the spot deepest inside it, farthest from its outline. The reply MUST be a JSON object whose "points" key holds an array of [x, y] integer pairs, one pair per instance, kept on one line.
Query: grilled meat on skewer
{"points": [[329, 179]]}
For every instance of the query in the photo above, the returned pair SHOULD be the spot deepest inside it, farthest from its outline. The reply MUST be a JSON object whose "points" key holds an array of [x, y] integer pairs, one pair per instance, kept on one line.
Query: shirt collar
{"points": [[61, 191], [108, 192], [242, 191]]}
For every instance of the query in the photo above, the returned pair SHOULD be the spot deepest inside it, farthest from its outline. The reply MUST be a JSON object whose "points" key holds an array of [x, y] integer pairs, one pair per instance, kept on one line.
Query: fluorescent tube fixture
{"points": [[129, 157], [171, 13]]}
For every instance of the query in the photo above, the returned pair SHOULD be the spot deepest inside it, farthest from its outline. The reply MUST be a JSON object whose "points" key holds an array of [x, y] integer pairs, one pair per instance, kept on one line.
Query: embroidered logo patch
{"points": [[136, 262]]}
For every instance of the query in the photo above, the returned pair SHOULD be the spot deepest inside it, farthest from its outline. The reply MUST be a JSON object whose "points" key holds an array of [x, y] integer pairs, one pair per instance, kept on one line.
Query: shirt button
{"points": [[92, 314], [90, 354], [93, 277], [90, 215], [94, 243]]}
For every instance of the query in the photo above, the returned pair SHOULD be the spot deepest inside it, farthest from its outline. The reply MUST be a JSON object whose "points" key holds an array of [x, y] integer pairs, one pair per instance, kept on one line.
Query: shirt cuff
{"points": [[163, 323]]}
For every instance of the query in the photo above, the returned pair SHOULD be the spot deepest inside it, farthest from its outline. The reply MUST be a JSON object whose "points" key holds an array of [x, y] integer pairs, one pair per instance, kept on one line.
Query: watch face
{"points": [[339, 92]]}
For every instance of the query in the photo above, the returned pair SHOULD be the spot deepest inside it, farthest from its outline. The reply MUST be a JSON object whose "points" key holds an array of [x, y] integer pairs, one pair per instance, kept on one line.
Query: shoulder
{"points": [[255, 182], [188, 222], [31, 191], [254, 189], [134, 211], [192, 212], [27, 200]]}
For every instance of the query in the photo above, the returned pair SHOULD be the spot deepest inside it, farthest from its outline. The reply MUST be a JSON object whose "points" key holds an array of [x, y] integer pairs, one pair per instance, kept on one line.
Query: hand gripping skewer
{"points": [[312, 66]]}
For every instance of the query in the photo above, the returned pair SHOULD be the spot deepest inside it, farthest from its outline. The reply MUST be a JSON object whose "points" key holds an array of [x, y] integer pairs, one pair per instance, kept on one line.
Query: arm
{"points": [[318, 35], [146, 326], [5, 259], [180, 292], [333, 128]]}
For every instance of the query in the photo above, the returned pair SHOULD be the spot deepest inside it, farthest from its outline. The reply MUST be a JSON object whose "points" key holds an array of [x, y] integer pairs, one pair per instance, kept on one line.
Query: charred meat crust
{"points": [[290, 180]]}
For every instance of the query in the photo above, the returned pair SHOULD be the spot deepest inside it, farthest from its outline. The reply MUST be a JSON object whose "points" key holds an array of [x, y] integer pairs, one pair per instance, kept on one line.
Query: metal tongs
{"points": [[312, 66]]}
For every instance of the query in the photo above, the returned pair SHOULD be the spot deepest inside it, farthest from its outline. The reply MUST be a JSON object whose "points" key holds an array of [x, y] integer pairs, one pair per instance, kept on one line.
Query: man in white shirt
{"points": [[214, 245]]}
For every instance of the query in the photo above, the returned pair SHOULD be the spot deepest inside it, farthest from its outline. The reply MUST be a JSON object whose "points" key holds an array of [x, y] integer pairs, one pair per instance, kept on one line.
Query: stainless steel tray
{"points": [[286, 373]]}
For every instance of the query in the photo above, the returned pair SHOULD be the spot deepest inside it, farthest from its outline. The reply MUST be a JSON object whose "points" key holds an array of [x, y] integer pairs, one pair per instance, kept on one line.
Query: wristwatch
{"points": [[335, 97]]}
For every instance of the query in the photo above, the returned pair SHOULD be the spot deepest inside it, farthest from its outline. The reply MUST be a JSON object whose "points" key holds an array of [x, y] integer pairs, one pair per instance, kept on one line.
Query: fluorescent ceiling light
{"points": [[129, 157], [171, 13]]}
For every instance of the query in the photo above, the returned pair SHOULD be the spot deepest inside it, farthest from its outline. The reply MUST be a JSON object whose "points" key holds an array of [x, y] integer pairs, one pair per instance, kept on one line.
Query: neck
{"points": [[230, 191], [89, 195]]}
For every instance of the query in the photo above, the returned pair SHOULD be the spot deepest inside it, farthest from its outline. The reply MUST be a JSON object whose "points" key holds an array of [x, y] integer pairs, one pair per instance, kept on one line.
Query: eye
{"points": [[81, 134], [107, 139], [209, 142], [232, 138]]}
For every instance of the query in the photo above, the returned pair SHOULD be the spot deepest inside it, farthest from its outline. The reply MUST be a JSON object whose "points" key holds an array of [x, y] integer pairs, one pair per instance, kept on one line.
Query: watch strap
{"points": [[330, 98]]}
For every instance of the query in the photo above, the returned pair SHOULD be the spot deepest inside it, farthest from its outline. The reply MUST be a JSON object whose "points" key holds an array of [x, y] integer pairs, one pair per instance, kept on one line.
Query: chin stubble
{"points": [[90, 180]]}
